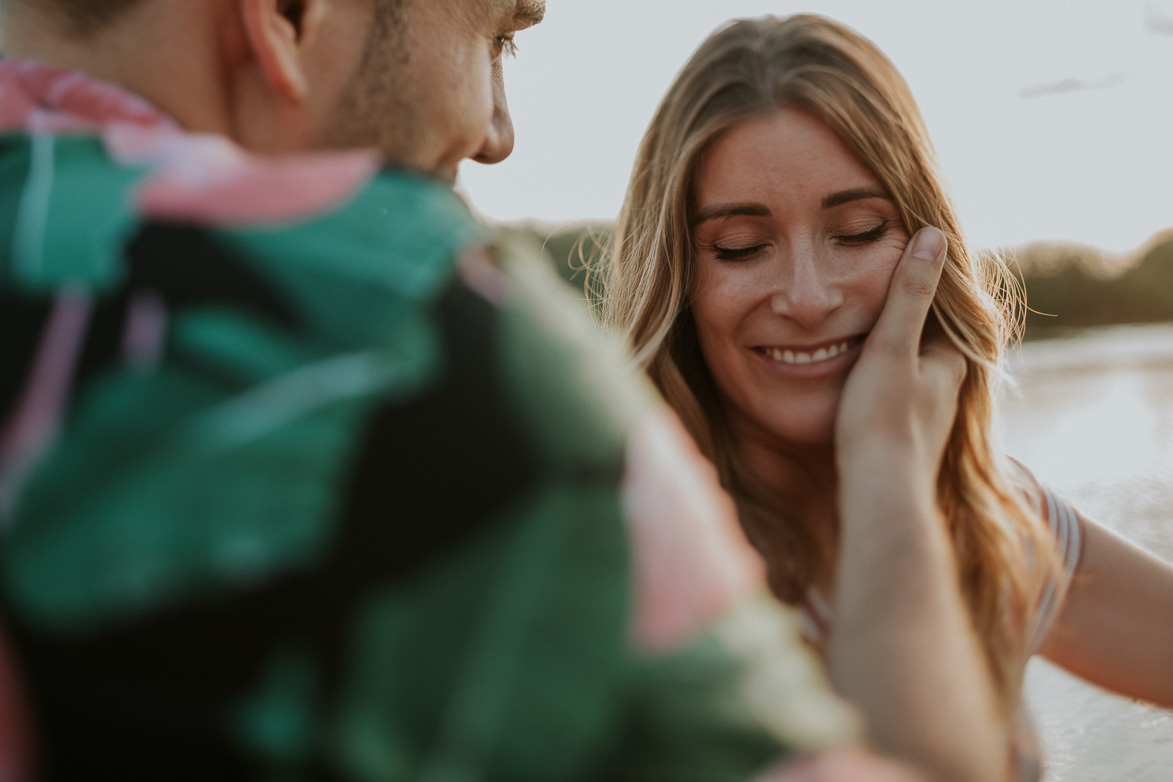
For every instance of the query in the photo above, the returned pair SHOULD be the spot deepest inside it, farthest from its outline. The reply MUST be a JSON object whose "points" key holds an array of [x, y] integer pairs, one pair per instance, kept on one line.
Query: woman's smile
{"points": [[830, 358]]}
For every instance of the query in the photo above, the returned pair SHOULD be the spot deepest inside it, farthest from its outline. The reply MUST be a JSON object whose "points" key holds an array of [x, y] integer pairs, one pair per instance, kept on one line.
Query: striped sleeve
{"points": [[1067, 526]]}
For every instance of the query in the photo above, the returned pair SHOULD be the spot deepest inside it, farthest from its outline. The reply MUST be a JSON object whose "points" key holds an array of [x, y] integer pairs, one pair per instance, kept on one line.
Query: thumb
{"points": [[910, 294]]}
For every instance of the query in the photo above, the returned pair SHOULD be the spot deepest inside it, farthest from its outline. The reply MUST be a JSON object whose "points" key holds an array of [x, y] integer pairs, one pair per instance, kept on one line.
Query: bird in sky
{"points": [[1071, 85]]}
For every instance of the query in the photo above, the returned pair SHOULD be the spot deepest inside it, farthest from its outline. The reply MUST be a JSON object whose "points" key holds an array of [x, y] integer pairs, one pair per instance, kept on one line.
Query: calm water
{"points": [[1093, 417]]}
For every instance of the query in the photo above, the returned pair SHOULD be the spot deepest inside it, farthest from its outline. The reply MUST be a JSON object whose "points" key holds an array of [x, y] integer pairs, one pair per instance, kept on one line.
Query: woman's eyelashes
{"points": [[869, 236], [859, 239], [736, 253]]}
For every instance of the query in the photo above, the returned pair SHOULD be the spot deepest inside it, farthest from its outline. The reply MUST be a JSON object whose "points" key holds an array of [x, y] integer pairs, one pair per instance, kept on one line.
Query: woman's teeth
{"points": [[801, 357]]}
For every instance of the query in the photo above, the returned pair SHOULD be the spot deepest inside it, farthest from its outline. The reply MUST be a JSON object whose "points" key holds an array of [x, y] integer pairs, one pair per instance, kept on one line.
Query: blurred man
{"points": [[296, 482]]}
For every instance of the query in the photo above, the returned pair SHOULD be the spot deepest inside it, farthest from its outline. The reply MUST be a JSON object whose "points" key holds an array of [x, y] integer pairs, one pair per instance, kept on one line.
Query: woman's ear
{"points": [[276, 32]]}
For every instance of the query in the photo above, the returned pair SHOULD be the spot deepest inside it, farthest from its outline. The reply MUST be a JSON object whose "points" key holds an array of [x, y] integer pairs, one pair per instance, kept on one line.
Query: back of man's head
{"points": [[79, 18]]}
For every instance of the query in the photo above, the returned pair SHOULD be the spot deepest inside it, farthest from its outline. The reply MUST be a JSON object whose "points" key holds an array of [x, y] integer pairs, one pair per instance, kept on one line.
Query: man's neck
{"points": [[138, 53]]}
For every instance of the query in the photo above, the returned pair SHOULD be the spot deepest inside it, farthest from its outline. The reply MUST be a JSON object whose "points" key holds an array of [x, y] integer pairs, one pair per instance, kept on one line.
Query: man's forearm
{"points": [[903, 648]]}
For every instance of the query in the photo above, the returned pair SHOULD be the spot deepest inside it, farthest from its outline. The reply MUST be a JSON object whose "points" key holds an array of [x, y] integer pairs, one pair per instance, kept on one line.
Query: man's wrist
{"points": [[879, 464], [887, 491]]}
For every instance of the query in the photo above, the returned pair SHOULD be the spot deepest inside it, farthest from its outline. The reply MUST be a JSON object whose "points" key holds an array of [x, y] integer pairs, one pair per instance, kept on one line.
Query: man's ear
{"points": [[276, 32]]}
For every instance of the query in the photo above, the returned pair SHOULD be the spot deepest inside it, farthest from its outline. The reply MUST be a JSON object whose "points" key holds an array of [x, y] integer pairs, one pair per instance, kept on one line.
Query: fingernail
{"points": [[928, 244]]}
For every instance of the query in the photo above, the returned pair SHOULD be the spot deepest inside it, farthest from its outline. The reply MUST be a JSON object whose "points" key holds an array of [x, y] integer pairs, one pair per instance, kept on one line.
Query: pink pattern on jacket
{"points": [[195, 177], [692, 562]]}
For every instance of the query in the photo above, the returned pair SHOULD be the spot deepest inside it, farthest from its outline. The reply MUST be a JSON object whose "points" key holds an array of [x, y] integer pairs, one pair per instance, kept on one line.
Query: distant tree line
{"points": [[1072, 286]]}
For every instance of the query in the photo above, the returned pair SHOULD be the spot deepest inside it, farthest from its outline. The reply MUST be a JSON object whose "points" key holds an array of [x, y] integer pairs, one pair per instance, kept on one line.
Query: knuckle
{"points": [[918, 285], [895, 344]]}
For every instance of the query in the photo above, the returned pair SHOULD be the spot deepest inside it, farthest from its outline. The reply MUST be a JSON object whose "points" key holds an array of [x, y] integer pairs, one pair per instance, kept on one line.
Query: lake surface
{"points": [[1092, 416]]}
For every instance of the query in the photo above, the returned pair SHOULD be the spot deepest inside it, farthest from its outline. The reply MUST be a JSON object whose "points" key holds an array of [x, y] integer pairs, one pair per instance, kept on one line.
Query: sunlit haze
{"points": [[1052, 118]]}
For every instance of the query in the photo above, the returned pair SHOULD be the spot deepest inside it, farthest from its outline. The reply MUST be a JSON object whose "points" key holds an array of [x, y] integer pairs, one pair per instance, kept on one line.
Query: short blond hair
{"points": [[79, 19]]}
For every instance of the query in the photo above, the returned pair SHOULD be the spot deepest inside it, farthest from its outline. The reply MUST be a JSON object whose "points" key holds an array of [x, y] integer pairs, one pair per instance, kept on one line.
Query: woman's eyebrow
{"points": [[854, 194], [717, 211]]}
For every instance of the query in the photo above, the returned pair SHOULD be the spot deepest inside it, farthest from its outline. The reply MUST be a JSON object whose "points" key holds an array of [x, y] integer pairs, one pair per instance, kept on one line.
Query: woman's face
{"points": [[796, 242]]}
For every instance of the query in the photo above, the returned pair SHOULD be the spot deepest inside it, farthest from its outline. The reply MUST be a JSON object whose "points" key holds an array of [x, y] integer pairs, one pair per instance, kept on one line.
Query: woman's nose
{"points": [[804, 290]]}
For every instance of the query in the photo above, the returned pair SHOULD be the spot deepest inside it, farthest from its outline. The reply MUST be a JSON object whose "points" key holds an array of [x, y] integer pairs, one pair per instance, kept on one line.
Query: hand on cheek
{"points": [[900, 400]]}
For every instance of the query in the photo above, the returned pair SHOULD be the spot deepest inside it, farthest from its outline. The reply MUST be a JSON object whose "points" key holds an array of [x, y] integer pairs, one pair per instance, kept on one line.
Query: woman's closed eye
{"points": [[869, 236], [722, 253], [743, 252]]}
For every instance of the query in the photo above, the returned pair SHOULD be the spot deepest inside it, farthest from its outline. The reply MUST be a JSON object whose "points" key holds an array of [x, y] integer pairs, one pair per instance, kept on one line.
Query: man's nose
{"points": [[498, 143]]}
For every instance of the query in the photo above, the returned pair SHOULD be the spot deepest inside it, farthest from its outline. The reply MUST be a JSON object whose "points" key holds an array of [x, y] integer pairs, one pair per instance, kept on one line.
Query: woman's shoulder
{"points": [[1067, 528], [1062, 519]]}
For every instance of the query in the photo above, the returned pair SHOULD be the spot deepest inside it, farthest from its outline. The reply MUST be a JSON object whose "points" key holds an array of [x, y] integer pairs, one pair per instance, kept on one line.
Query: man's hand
{"points": [[901, 396], [902, 648]]}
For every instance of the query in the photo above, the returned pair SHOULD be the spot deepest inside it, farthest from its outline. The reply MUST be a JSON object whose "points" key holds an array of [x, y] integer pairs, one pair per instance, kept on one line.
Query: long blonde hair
{"points": [[752, 68]]}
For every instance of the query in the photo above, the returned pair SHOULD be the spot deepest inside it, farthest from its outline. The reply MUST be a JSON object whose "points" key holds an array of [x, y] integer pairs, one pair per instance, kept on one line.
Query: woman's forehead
{"points": [[787, 152]]}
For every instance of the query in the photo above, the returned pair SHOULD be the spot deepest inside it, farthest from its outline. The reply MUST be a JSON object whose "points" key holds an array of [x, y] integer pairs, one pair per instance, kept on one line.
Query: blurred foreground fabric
{"points": [[297, 484]]}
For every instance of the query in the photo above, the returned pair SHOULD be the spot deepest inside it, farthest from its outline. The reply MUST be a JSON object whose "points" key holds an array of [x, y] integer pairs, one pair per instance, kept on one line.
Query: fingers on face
{"points": [[910, 295]]}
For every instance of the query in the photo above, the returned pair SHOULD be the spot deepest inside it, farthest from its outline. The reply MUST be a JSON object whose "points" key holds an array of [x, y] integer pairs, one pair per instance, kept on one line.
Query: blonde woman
{"points": [[784, 176]]}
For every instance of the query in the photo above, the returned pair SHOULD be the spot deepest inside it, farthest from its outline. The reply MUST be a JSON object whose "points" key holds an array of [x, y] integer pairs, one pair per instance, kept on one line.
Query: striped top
{"points": [[1067, 526]]}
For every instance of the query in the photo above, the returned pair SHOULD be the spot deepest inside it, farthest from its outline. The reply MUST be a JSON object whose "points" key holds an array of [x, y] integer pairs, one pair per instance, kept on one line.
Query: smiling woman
{"points": [[782, 180], [744, 234]]}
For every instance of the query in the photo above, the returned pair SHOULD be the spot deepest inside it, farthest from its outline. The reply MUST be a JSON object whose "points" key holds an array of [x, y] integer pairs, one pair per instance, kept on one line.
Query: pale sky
{"points": [[1025, 159]]}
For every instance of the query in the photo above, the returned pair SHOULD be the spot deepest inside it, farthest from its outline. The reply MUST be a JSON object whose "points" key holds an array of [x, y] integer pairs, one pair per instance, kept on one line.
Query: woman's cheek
{"points": [[876, 275]]}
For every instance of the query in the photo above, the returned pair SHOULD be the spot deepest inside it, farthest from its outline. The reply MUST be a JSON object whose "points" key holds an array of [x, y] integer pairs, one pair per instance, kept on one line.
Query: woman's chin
{"points": [[813, 430], [808, 425], [805, 422], [810, 434]]}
